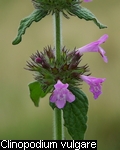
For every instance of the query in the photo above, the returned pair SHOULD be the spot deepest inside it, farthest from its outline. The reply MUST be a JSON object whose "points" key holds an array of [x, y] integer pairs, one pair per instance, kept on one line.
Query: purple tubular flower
{"points": [[61, 94], [95, 84], [95, 47], [87, 1]]}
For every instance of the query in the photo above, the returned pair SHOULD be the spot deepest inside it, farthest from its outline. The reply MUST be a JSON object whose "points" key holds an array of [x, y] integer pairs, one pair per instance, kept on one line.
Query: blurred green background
{"points": [[19, 118]]}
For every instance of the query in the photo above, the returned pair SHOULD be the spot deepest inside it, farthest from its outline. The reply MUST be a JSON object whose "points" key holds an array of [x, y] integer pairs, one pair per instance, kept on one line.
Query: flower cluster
{"points": [[67, 73], [48, 70], [93, 82]]}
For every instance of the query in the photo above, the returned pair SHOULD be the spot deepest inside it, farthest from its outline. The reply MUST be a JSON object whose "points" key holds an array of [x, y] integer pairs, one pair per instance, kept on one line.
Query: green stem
{"points": [[58, 35], [58, 114], [58, 125]]}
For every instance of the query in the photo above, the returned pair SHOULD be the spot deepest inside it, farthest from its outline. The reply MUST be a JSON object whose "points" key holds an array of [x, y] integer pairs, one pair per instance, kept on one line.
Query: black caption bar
{"points": [[28, 144]]}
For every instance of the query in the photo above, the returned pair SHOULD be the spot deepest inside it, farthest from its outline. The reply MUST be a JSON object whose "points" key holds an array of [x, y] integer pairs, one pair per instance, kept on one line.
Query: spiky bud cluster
{"points": [[53, 6], [48, 70]]}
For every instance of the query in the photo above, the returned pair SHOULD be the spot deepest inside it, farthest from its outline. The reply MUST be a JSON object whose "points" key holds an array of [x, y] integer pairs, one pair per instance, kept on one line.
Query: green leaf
{"points": [[75, 115], [36, 92], [84, 13], [36, 16]]}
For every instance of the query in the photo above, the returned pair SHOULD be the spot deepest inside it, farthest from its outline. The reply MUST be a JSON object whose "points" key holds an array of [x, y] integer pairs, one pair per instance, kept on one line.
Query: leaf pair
{"points": [[38, 14]]}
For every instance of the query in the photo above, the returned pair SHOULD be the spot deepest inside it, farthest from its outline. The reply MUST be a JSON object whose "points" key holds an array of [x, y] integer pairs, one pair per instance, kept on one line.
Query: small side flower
{"points": [[61, 94], [94, 83], [87, 1], [94, 47]]}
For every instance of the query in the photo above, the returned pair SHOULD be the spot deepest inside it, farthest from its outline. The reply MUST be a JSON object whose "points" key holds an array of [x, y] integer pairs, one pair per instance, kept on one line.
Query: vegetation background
{"points": [[19, 118]]}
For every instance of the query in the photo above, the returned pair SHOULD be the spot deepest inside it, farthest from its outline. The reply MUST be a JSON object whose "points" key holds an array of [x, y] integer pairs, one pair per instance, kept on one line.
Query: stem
{"points": [[58, 125], [58, 35], [58, 115]]}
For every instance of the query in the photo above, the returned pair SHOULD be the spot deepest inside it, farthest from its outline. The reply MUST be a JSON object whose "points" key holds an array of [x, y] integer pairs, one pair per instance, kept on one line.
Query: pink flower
{"points": [[94, 47], [87, 1], [61, 94], [95, 84], [38, 60]]}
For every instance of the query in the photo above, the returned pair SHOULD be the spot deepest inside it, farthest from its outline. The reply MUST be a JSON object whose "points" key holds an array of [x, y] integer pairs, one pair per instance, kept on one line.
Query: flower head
{"points": [[61, 94], [48, 72], [95, 84], [95, 47]]}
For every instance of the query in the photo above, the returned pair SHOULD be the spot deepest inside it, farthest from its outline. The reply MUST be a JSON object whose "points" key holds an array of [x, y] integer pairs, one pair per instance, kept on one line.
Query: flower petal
{"points": [[87, 1], [103, 38], [94, 83], [61, 94], [70, 97], [53, 97], [102, 53], [60, 103], [60, 85], [94, 47], [91, 47]]}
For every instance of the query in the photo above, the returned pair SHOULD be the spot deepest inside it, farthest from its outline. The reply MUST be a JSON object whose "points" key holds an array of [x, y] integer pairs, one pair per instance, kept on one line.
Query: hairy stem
{"points": [[58, 124], [58, 36], [58, 114]]}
